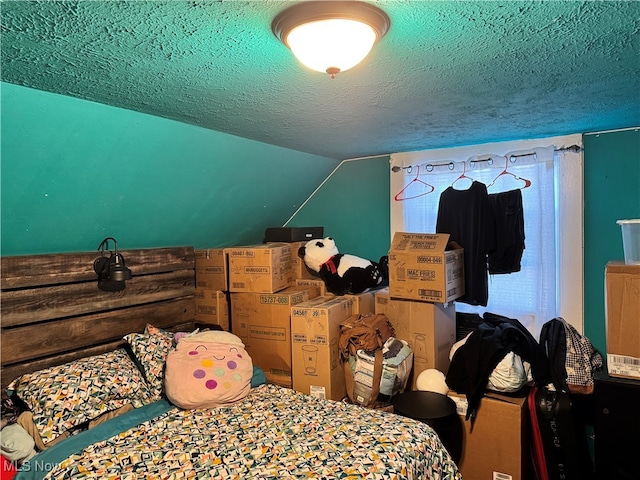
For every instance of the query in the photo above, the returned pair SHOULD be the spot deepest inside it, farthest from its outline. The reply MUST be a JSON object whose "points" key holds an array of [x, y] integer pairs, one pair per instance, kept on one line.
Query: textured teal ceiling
{"points": [[447, 73]]}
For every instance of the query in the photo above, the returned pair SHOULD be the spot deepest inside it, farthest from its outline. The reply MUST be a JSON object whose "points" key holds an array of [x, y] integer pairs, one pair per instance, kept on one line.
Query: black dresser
{"points": [[616, 428]]}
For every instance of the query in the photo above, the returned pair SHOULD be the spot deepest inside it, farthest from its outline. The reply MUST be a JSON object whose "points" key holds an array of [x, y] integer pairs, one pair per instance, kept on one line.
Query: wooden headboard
{"points": [[52, 311]]}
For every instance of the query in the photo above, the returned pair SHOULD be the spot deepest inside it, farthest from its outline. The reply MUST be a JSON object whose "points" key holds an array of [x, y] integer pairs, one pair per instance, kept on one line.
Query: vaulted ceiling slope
{"points": [[448, 73]]}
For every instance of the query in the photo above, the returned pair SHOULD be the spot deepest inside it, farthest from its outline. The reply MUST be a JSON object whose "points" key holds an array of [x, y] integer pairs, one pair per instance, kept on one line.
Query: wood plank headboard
{"points": [[52, 311]]}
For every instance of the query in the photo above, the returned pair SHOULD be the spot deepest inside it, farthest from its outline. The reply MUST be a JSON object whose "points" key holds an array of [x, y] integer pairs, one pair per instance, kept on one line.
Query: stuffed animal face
{"points": [[317, 251], [208, 369]]}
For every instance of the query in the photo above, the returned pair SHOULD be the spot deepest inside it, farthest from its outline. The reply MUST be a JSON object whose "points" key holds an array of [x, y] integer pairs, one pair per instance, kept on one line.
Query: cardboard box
{"points": [[429, 328], [425, 267], [211, 269], [316, 286], [300, 269], [363, 303], [497, 447], [622, 316], [315, 333], [264, 268], [263, 323], [212, 307]]}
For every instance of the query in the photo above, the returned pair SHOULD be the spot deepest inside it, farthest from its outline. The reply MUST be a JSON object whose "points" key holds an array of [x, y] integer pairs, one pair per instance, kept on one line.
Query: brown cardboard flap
{"points": [[616, 266], [453, 246], [517, 398], [420, 242]]}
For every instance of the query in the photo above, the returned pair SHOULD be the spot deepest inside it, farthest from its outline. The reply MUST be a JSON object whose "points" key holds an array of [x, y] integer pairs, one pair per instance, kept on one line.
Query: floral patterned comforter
{"points": [[274, 432]]}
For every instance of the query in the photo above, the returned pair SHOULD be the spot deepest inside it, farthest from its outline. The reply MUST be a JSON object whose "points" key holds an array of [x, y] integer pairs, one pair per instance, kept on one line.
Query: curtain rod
{"points": [[451, 164]]}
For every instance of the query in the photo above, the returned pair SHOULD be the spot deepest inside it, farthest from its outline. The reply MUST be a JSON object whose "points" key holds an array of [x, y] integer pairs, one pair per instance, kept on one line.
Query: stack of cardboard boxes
{"points": [[315, 332], [211, 295], [289, 323], [261, 296], [248, 290], [426, 276], [425, 320]]}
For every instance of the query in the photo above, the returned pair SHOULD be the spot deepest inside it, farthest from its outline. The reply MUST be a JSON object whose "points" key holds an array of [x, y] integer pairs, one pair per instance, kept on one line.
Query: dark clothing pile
{"points": [[485, 347]]}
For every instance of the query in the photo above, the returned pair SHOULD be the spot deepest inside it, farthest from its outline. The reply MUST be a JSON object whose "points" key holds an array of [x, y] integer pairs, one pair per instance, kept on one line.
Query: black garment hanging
{"points": [[509, 220], [467, 217]]}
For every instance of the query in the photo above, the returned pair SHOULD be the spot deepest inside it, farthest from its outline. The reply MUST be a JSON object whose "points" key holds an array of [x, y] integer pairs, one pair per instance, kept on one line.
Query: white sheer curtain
{"points": [[531, 295]]}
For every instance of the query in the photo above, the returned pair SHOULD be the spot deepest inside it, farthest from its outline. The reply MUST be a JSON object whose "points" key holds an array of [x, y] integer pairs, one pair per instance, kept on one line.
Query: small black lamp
{"points": [[112, 271]]}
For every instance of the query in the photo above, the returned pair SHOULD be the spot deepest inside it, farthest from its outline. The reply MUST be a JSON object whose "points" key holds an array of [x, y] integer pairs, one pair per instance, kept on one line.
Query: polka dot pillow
{"points": [[208, 369]]}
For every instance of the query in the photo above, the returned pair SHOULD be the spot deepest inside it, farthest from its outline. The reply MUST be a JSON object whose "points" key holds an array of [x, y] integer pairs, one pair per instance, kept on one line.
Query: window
{"points": [[549, 283]]}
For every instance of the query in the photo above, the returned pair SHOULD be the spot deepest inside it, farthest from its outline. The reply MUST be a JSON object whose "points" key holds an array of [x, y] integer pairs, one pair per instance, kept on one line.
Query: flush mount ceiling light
{"points": [[330, 36]]}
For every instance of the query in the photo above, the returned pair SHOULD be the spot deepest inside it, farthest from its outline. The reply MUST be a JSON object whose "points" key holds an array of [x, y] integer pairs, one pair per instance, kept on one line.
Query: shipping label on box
{"points": [[264, 268], [428, 328], [316, 287], [313, 292], [211, 269], [497, 446], [315, 335], [425, 267], [212, 307], [622, 316]]}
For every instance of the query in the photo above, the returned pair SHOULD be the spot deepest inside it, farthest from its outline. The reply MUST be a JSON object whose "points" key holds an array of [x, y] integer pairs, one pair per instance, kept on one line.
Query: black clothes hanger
{"points": [[400, 195], [527, 183]]}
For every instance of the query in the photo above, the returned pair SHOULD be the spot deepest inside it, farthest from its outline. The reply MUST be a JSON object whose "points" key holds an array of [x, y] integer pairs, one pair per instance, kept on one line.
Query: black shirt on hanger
{"points": [[467, 217]]}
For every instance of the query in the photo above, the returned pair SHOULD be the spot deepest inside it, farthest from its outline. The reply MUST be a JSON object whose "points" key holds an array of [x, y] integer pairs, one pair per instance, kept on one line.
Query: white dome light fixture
{"points": [[330, 36]]}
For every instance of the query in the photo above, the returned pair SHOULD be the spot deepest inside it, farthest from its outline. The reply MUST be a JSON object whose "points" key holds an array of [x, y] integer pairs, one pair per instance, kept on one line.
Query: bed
{"points": [[91, 373]]}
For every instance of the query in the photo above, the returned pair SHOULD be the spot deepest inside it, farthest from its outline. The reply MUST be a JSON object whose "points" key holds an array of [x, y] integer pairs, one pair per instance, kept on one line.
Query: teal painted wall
{"points": [[611, 192], [353, 207], [74, 172]]}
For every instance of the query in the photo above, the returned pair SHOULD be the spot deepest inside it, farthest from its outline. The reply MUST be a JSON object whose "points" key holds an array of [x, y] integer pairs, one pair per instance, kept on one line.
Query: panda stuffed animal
{"points": [[343, 273]]}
